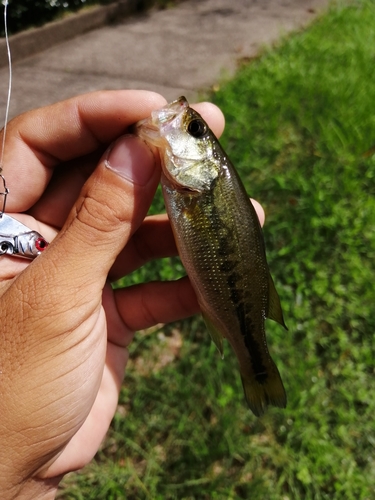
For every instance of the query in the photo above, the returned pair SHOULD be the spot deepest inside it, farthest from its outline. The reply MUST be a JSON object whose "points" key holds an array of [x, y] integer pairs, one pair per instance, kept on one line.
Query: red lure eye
{"points": [[41, 244]]}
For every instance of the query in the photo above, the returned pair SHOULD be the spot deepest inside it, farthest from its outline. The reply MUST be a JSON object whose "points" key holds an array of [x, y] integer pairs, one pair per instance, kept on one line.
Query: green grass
{"points": [[299, 120]]}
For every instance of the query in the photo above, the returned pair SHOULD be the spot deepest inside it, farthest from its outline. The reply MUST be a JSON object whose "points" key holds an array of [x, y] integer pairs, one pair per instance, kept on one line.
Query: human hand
{"points": [[65, 332]]}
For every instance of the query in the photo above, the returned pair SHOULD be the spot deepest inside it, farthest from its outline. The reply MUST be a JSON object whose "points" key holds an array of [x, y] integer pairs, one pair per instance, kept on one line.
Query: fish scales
{"points": [[220, 243], [226, 276]]}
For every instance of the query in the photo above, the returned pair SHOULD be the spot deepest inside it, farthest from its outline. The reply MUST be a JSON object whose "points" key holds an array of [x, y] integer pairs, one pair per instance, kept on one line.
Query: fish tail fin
{"points": [[262, 390]]}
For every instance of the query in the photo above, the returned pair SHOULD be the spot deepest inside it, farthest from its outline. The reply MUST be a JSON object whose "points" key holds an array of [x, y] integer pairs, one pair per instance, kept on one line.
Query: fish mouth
{"points": [[169, 112], [148, 131], [150, 128]]}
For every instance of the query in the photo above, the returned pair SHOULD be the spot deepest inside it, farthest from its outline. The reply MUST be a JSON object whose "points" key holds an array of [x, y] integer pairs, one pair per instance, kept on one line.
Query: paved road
{"points": [[182, 50]]}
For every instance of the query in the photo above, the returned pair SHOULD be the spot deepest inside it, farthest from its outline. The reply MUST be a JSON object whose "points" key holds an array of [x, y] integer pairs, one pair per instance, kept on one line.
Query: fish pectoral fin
{"points": [[267, 390], [274, 306], [216, 336]]}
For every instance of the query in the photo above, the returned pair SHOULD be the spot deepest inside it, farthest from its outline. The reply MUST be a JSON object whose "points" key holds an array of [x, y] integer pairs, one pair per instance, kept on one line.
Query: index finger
{"points": [[39, 140]]}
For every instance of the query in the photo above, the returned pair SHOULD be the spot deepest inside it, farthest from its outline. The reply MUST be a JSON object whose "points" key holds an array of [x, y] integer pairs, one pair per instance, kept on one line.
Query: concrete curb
{"points": [[36, 40]]}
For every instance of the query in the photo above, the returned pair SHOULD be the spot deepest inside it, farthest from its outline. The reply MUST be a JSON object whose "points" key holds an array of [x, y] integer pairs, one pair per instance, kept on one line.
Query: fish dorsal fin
{"points": [[216, 336], [274, 307]]}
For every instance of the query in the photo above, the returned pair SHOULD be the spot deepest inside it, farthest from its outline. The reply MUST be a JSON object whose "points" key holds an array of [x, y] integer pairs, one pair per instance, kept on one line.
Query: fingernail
{"points": [[132, 159]]}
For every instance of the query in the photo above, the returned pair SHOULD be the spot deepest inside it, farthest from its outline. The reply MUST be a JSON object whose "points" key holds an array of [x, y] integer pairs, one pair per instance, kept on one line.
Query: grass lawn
{"points": [[300, 128]]}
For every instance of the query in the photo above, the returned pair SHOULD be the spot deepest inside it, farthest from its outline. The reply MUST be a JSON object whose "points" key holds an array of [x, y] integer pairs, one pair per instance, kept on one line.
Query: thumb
{"points": [[111, 206], [53, 322]]}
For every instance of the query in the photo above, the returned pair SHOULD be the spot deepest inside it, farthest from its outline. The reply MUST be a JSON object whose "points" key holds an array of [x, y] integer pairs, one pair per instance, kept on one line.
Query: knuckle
{"points": [[100, 215]]}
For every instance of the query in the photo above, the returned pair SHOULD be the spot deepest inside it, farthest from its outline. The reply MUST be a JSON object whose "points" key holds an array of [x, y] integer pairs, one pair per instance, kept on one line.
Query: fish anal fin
{"points": [[274, 306], [260, 394], [216, 336]]}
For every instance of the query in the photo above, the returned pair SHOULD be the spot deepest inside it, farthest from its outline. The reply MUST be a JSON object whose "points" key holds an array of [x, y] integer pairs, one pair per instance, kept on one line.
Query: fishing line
{"points": [[5, 3]]}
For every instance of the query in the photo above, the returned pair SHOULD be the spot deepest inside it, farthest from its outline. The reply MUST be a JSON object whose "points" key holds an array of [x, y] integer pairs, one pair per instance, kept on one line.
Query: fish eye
{"points": [[197, 128]]}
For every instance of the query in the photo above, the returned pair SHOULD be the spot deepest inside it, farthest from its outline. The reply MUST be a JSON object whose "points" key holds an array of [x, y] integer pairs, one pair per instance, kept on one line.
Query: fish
{"points": [[220, 243]]}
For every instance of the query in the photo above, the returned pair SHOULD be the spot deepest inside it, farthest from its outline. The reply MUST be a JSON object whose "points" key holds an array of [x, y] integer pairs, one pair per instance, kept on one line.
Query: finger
{"points": [[39, 140], [63, 190], [259, 210], [59, 295], [212, 115], [147, 304], [112, 204], [153, 240]]}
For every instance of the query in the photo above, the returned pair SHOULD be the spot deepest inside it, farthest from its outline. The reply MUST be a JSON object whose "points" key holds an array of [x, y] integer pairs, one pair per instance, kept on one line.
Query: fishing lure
{"points": [[16, 238]]}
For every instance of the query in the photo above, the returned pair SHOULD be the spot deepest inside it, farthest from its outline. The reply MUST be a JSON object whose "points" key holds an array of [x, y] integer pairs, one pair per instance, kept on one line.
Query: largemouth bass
{"points": [[220, 243]]}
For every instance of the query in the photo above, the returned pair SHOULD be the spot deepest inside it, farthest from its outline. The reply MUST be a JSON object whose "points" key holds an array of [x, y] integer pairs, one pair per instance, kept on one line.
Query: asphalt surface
{"points": [[179, 51]]}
